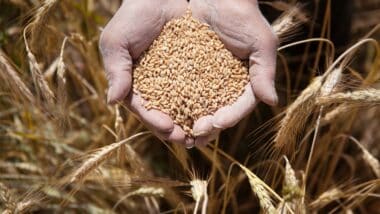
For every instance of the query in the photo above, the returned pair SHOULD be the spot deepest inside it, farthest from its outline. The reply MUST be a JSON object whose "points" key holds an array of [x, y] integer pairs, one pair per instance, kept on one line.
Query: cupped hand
{"points": [[128, 34], [246, 33]]}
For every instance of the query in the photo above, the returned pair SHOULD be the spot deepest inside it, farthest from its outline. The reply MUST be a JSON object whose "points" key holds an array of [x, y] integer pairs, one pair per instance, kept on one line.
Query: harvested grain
{"points": [[187, 73]]}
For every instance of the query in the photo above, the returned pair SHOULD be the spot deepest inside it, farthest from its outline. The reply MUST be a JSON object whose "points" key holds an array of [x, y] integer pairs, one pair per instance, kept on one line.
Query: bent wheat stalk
{"points": [[368, 157], [37, 75], [368, 96], [296, 115], [285, 26], [11, 75], [100, 156]]}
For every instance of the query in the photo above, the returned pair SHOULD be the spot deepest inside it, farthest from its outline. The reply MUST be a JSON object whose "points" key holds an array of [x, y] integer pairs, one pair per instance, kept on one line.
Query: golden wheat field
{"points": [[63, 149]]}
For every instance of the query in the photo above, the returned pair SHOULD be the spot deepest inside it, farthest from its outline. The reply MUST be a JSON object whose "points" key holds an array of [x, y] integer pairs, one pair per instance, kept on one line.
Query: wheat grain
{"points": [[260, 190], [188, 73]]}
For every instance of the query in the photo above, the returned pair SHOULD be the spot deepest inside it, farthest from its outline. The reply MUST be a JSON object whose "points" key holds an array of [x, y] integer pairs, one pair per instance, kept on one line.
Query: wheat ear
{"points": [[368, 96], [100, 156]]}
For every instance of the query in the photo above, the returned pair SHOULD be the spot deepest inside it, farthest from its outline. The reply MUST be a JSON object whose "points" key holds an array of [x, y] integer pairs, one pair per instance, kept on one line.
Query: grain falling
{"points": [[187, 73]]}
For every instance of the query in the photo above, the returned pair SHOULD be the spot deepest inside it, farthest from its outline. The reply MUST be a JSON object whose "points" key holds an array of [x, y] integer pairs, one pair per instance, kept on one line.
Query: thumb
{"points": [[118, 68], [262, 69]]}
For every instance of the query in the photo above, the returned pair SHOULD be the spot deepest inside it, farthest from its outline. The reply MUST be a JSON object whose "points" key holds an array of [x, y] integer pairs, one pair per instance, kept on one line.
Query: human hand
{"points": [[128, 34], [245, 32]]}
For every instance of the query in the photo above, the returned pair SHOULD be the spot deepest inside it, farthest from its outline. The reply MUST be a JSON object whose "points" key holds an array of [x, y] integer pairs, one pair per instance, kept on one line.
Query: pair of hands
{"points": [[239, 24]]}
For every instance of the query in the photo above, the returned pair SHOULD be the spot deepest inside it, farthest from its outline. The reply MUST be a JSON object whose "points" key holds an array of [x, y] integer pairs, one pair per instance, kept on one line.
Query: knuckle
{"points": [[273, 38], [109, 40], [104, 42]]}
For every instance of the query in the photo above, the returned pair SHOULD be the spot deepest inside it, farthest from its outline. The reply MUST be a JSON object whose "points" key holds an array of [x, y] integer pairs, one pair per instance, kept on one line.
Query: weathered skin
{"points": [[128, 34], [245, 32], [239, 24]]}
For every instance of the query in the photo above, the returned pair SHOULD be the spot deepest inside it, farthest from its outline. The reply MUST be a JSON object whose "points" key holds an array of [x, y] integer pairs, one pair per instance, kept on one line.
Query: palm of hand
{"points": [[239, 25], [130, 32], [245, 32]]}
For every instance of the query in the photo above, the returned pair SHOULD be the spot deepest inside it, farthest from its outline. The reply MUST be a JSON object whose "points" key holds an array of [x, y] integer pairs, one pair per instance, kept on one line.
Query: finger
{"points": [[203, 126], [189, 142], [155, 119], [229, 116], [263, 67], [118, 67], [177, 135], [199, 10]]}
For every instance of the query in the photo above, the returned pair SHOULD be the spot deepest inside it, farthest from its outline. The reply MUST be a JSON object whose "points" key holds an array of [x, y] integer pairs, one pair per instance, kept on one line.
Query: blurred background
{"points": [[54, 119]]}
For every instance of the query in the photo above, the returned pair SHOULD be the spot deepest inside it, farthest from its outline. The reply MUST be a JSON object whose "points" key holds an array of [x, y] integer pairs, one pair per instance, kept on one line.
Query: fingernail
{"points": [[200, 133], [189, 143]]}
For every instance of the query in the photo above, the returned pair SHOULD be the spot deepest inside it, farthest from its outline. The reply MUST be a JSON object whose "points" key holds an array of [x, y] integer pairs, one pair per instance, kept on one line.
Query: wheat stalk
{"points": [[332, 115], [296, 115], [287, 23], [260, 189], [372, 161], [331, 81], [43, 11], [199, 192], [326, 198], [8, 199], [368, 158], [100, 156], [5, 196], [40, 17], [368, 96], [145, 191], [61, 68], [118, 119], [291, 189], [12, 75], [37, 73], [23, 206]]}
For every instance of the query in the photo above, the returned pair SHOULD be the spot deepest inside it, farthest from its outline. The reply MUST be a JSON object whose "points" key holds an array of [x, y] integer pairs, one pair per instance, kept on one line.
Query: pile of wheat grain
{"points": [[188, 73]]}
